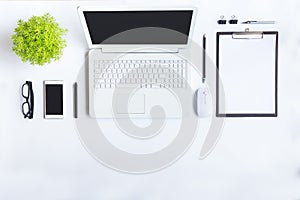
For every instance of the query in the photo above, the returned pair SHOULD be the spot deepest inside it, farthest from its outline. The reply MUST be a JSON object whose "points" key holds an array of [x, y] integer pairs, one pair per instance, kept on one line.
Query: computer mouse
{"points": [[203, 101]]}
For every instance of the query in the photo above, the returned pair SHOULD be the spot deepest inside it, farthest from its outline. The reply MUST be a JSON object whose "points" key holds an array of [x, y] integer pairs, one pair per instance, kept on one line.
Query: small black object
{"points": [[233, 20], [222, 20], [28, 105]]}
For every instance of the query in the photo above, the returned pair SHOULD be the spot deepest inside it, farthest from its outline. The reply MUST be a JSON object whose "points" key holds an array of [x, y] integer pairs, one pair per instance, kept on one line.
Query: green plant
{"points": [[39, 40]]}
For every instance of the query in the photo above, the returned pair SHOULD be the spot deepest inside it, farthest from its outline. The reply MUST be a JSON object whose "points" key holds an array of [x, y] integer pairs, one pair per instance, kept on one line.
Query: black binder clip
{"points": [[233, 20], [221, 20]]}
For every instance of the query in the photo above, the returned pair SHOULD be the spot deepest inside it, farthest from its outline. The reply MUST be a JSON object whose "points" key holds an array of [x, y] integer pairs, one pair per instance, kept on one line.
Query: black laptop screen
{"points": [[139, 27]]}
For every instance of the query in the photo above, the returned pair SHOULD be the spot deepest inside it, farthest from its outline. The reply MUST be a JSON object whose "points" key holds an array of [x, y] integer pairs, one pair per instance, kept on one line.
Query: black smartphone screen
{"points": [[54, 99]]}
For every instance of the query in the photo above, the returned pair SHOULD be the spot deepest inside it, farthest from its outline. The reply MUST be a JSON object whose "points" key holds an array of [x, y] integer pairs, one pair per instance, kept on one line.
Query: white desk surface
{"points": [[44, 159]]}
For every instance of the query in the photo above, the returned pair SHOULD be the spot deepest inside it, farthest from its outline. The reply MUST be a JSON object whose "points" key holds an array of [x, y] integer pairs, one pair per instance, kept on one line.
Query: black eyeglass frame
{"points": [[29, 100]]}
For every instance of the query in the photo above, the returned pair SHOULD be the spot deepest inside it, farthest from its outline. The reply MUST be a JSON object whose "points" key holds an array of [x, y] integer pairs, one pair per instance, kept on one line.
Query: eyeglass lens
{"points": [[25, 90], [26, 108]]}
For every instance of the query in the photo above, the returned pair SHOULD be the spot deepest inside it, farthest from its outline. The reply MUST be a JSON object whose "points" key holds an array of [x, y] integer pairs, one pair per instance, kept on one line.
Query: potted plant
{"points": [[39, 40]]}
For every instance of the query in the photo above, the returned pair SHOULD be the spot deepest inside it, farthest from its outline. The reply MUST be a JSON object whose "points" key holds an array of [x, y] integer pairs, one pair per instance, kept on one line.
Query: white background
{"points": [[256, 158]]}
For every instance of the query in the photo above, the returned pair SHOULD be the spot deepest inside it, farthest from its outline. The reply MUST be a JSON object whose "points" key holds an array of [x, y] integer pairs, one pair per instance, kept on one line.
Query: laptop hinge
{"points": [[140, 50]]}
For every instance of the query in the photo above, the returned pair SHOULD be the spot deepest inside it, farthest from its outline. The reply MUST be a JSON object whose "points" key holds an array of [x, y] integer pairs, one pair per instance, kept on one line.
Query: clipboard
{"points": [[247, 68]]}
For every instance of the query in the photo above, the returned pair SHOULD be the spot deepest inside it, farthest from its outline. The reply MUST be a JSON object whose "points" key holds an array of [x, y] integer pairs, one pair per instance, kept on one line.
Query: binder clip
{"points": [[221, 20], [233, 20]]}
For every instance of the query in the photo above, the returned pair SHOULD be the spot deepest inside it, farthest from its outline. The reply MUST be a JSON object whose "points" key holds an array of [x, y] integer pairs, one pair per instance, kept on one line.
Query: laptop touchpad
{"points": [[131, 104]]}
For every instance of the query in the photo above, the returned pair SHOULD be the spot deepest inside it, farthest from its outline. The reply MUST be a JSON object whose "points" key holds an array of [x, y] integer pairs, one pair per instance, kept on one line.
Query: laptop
{"points": [[134, 62]]}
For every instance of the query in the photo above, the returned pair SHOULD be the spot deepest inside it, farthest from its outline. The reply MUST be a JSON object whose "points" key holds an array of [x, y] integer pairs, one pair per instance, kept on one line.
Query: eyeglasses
{"points": [[28, 105]]}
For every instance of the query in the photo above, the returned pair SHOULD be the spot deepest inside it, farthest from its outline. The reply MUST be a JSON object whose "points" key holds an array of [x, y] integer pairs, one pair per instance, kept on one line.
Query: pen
{"points": [[75, 100], [258, 22], [204, 59]]}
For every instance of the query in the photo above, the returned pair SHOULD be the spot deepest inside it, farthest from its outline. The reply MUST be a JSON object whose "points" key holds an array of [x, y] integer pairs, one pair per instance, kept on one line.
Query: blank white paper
{"points": [[247, 72]]}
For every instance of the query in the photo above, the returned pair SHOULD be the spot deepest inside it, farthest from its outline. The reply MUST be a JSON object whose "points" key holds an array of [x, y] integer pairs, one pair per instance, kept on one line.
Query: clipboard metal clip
{"points": [[248, 35]]}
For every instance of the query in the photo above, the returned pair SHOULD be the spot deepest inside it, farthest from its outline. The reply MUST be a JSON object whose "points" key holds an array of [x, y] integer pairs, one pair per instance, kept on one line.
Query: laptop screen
{"points": [[139, 27]]}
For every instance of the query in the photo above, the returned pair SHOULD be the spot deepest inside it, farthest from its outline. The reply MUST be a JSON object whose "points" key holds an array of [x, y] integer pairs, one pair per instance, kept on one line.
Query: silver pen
{"points": [[258, 22]]}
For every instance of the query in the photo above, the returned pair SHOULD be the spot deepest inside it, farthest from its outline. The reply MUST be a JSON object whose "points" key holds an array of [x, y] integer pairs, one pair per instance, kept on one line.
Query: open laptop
{"points": [[134, 62]]}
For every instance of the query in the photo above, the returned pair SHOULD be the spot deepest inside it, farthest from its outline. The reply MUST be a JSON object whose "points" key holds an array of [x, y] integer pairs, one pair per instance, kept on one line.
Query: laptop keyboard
{"points": [[140, 73]]}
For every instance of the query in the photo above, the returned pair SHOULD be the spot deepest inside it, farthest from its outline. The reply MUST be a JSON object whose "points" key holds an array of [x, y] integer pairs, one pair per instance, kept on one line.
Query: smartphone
{"points": [[53, 99]]}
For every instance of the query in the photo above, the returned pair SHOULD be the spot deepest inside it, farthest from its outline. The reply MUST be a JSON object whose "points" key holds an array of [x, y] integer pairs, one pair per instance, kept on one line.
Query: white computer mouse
{"points": [[203, 101]]}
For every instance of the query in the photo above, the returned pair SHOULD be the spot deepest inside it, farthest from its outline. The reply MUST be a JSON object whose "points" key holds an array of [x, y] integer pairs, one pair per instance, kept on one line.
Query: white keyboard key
{"points": [[163, 76]]}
